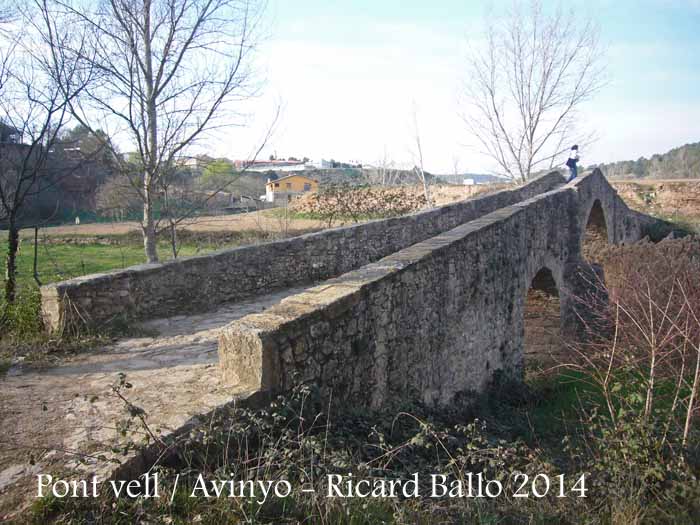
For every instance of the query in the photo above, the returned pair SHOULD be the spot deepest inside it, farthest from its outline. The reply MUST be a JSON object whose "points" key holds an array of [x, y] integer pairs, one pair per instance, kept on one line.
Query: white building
{"points": [[319, 164]]}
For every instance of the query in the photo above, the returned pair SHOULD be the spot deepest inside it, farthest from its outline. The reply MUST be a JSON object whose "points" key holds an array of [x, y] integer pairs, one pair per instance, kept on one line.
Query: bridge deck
{"points": [[70, 410]]}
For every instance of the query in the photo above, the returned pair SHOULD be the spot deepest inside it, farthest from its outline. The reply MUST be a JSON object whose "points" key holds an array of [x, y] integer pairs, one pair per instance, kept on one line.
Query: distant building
{"points": [[320, 164], [330, 164], [469, 182], [284, 188], [195, 163], [270, 165]]}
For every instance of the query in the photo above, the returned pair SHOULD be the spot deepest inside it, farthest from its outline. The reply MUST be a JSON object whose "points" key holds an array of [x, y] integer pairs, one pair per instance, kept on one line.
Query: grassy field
{"points": [[64, 261], [262, 221], [65, 256], [57, 262], [71, 250]]}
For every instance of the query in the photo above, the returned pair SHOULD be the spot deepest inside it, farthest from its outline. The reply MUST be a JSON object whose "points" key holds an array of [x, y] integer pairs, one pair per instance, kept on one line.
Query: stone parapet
{"points": [[203, 282]]}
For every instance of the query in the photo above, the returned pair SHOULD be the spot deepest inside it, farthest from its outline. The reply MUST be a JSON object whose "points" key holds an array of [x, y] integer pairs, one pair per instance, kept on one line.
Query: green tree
{"points": [[218, 174]]}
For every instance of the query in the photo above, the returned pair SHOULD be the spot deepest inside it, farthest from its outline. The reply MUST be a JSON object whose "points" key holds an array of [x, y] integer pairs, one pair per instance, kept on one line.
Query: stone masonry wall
{"points": [[434, 321], [200, 283], [542, 341], [622, 224]]}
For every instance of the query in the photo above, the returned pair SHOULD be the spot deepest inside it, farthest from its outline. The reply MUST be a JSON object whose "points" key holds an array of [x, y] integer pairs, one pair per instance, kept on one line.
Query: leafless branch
{"points": [[167, 71], [526, 85]]}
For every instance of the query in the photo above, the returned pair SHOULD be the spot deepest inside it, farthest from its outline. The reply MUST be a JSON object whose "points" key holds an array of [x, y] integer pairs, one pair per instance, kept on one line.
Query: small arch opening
{"points": [[595, 236], [542, 322]]}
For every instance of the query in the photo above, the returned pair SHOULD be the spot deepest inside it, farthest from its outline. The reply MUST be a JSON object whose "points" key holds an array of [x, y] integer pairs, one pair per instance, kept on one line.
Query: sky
{"points": [[349, 76]]}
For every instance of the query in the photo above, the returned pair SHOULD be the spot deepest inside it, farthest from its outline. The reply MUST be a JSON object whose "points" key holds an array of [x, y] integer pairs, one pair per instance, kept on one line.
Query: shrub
{"points": [[359, 203], [639, 427], [21, 320]]}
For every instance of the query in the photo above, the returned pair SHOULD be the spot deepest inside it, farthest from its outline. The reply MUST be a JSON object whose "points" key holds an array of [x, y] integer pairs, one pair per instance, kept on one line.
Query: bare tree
{"points": [[33, 111], [455, 166], [196, 202], [383, 173], [418, 159], [169, 72], [524, 87]]}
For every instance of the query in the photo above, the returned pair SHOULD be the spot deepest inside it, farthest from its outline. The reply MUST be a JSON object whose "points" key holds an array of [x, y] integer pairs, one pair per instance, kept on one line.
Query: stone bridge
{"points": [[434, 321], [430, 305]]}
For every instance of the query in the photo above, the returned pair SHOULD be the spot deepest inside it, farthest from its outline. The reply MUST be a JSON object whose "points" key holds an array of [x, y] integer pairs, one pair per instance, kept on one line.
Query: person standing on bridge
{"points": [[571, 163]]}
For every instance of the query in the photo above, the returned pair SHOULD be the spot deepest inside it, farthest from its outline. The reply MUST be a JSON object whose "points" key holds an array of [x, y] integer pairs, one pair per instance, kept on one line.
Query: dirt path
{"points": [[52, 418], [263, 221]]}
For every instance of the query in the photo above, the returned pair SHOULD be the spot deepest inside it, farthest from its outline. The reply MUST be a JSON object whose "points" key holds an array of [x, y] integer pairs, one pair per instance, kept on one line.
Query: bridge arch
{"points": [[542, 319], [594, 231]]}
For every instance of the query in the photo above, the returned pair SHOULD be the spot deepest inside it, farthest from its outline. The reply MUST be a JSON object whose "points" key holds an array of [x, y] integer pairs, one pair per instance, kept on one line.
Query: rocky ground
{"points": [[661, 197]]}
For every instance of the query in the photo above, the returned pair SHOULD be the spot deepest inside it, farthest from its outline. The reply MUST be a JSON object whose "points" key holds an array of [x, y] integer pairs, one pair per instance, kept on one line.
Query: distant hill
{"points": [[679, 163], [478, 178]]}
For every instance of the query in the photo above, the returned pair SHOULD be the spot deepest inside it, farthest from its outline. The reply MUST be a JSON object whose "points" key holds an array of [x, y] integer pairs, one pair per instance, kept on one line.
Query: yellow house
{"points": [[289, 186]]}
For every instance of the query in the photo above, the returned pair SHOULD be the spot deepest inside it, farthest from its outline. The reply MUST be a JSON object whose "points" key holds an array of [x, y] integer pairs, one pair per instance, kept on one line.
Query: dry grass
{"points": [[264, 220]]}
